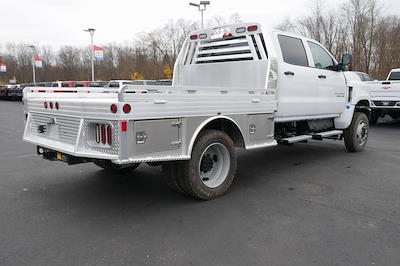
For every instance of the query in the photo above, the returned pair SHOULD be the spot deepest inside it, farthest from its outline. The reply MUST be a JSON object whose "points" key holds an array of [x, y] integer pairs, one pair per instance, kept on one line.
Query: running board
{"points": [[295, 139], [327, 134], [315, 136]]}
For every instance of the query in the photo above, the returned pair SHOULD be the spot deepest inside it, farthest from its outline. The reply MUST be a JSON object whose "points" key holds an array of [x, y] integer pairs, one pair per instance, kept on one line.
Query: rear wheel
{"points": [[109, 166], [356, 136], [172, 173], [210, 171]]}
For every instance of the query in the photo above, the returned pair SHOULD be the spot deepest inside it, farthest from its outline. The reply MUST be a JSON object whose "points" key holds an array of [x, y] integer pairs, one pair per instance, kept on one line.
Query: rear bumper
{"points": [[52, 155], [77, 147]]}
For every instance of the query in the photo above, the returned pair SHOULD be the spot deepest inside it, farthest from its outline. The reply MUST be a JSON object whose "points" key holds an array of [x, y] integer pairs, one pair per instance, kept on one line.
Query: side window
{"points": [[367, 77], [394, 76], [293, 51], [322, 59], [361, 76]]}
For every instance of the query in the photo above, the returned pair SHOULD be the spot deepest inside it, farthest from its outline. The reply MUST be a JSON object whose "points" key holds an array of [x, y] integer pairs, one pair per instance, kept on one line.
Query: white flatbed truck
{"points": [[234, 87]]}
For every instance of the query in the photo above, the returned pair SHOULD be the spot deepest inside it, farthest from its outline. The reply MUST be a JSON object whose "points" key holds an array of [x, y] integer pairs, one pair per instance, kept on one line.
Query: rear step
{"points": [[315, 136]]}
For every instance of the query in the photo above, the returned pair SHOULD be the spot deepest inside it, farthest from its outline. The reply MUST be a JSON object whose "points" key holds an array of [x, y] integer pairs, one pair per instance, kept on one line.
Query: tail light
{"points": [[103, 134], [97, 133], [114, 108], [194, 37], [109, 135], [126, 108]]}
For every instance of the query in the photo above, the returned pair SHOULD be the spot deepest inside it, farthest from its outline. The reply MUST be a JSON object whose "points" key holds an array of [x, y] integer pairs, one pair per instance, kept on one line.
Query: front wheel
{"points": [[210, 171], [356, 135]]}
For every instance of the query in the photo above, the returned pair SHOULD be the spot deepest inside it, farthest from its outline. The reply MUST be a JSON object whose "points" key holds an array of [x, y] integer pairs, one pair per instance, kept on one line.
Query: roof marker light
{"points": [[241, 30], [252, 28]]}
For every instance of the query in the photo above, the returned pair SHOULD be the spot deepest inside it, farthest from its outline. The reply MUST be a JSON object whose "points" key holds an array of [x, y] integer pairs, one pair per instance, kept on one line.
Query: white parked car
{"points": [[385, 96], [234, 87]]}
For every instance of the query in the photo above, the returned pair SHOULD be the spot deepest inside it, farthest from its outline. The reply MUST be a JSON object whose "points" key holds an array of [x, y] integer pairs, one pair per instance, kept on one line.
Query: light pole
{"points": [[91, 31], [202, 6], [33, 64]]}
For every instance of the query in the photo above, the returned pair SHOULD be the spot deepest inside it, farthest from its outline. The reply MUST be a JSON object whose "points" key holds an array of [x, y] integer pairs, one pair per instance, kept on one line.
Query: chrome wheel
{"points": [[214, 165], [362, 132]]}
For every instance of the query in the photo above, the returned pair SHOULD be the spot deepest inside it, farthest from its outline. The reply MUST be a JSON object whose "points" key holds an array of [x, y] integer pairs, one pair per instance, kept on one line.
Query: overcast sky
{"points": [[61, 22]]}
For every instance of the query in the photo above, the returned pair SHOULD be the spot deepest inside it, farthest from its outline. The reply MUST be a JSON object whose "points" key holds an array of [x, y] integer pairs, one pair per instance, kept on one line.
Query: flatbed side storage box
{"points": [[156, 135]]}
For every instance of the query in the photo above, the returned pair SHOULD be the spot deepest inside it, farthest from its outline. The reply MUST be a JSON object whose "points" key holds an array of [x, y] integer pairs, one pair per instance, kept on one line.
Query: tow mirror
{"points": [[347, 61]]}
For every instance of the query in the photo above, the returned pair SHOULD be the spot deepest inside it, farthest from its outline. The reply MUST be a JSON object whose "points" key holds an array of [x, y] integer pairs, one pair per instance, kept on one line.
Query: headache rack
{"points": [[231, 43]]}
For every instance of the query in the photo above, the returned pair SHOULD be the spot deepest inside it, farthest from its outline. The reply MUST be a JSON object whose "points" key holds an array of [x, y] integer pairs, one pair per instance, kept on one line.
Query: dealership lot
{"points": [[310, 204]]}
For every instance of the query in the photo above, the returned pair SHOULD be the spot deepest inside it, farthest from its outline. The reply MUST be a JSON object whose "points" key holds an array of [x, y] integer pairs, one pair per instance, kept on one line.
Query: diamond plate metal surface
{"points": [[114, 148]]}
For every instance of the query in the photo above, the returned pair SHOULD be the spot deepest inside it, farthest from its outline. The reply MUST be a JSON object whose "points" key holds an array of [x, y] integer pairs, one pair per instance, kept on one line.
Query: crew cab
{"points": [[235, 86]]}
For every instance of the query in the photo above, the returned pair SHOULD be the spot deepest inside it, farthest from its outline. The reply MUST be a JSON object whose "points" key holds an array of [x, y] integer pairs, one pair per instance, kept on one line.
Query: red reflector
{"points": [[194, 37], [51, 105], [57, 106], [252, 28], [103, 134], [45, 105], [109, 135], [126, 108], [114, 108], [124, 126]]}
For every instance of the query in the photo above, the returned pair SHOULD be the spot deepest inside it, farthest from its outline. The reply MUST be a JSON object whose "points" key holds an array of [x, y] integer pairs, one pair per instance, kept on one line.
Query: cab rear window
{"points": [[293, 50]]}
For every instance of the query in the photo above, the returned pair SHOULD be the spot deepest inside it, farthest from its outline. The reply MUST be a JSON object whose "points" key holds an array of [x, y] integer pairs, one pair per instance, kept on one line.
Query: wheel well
{"points": [[229, 127], [364, 107]]}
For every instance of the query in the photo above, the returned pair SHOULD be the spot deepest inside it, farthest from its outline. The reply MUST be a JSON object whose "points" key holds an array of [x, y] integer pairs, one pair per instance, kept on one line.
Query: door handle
{"points": [[322, 76], [289, 73]]}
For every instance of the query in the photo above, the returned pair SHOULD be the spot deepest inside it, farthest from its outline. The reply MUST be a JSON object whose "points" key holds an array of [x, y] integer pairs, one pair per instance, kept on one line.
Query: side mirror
{"points": [[347, 61]]}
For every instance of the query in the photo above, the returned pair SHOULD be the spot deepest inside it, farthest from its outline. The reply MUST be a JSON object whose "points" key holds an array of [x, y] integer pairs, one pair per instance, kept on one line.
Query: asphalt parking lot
{"points": [[310, 204]]}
